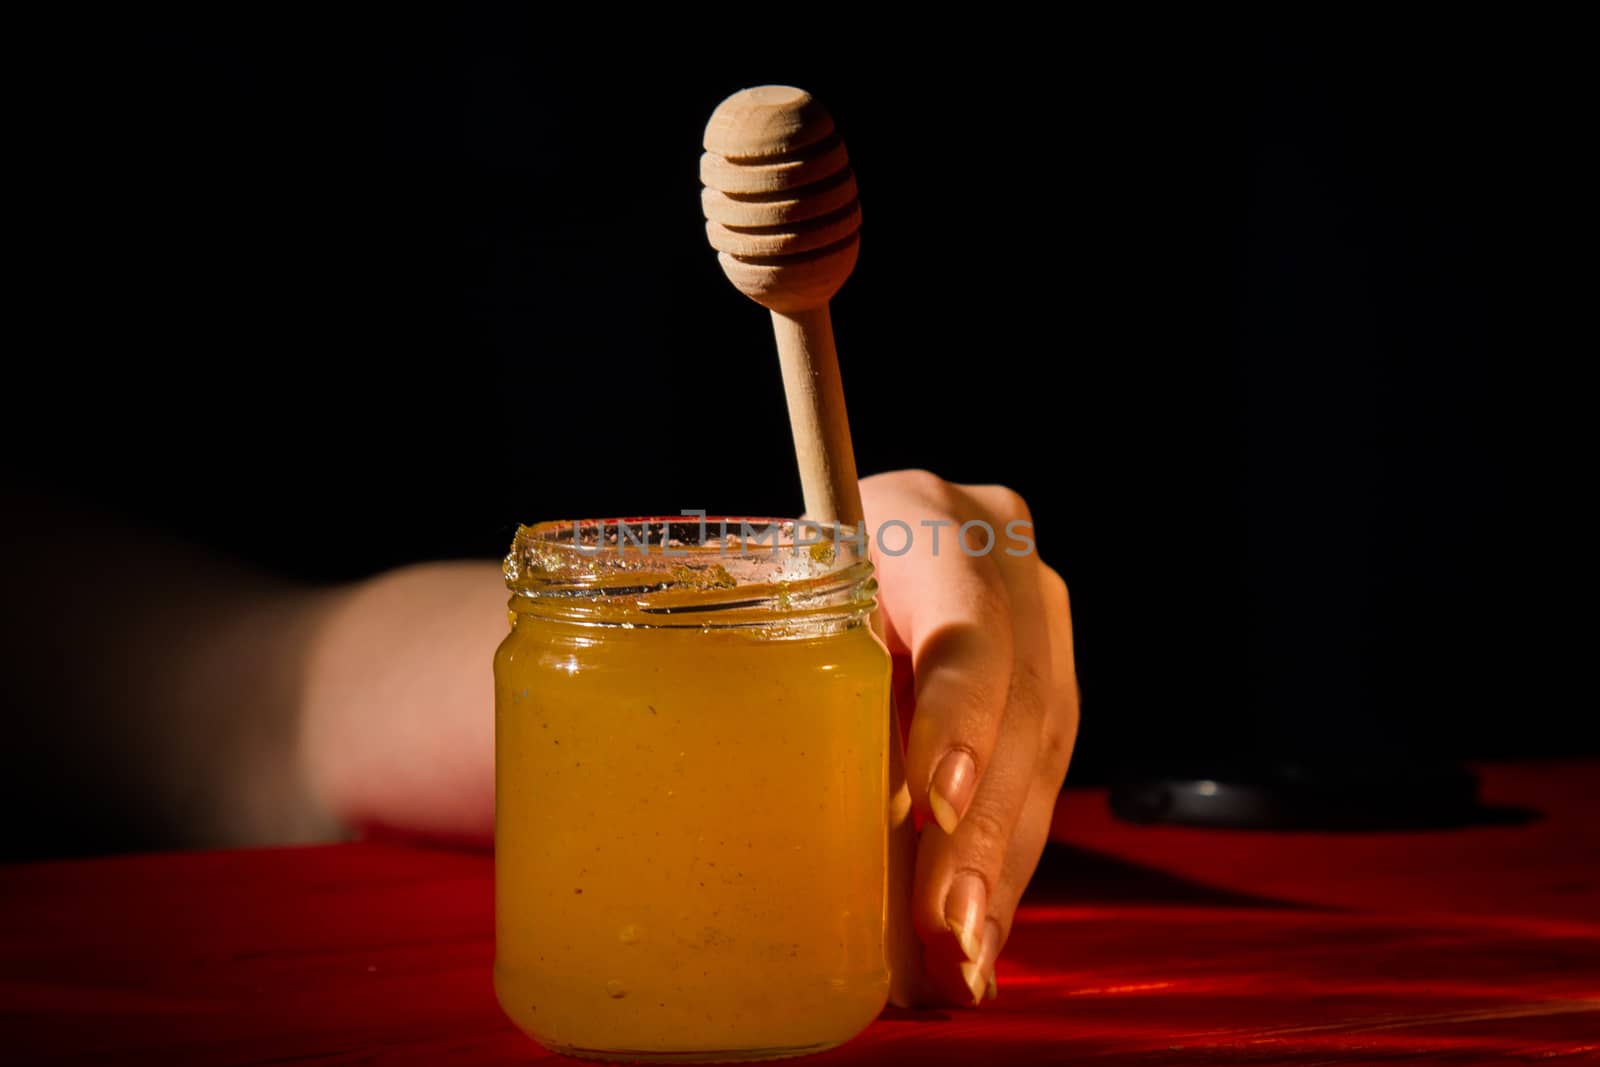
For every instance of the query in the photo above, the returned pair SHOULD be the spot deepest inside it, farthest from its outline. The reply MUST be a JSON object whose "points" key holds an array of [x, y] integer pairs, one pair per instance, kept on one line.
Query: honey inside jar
{"points": [[691, 761]]}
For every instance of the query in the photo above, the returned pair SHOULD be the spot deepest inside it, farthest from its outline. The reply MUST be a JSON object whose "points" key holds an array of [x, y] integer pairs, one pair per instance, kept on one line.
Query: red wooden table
{"points": [[1134, 946]]}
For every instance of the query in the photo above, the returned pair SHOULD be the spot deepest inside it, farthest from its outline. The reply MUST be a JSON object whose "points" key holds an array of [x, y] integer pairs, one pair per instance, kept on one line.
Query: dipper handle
{"points": [[782, 212]]}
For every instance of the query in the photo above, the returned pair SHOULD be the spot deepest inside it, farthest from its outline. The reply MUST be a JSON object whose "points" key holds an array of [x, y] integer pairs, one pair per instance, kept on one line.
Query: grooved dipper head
{"points": [[780, 201]]}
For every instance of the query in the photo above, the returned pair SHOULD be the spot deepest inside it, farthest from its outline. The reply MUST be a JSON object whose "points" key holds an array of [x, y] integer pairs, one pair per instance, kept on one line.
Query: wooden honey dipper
{"points": [[782, 212]]}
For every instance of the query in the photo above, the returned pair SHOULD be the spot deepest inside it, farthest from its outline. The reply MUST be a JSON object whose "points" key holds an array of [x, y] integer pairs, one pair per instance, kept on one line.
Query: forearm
{"points": [[398, 726]]}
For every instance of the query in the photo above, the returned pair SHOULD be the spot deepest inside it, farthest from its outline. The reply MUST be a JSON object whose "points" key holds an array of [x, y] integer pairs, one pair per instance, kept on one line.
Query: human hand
{"points": [[993, 709]]}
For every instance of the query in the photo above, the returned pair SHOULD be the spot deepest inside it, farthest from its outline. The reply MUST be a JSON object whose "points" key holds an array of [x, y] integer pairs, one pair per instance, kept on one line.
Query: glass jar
{"points": [[692, 728]]}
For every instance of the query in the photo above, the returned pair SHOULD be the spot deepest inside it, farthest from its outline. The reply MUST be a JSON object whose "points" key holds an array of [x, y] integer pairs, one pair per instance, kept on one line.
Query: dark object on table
{"points": [[1334, 795]]}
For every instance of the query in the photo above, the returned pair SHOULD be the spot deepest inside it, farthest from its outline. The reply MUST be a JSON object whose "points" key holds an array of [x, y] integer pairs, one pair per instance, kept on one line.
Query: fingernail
{"points": [[963, 914], [978, 971], [951, 789]]}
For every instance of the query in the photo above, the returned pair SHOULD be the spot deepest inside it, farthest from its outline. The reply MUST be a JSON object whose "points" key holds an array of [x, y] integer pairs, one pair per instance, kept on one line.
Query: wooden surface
{"points": [[1135, 946]]}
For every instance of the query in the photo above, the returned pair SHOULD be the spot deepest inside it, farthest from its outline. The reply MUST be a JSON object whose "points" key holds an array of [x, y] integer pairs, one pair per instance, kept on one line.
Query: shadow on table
{"points": [[1071, 874]]}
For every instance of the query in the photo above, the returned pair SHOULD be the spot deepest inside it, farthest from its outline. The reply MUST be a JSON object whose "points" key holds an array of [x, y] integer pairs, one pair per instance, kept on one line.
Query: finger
{"points": [[1028, 840], [1032, 831], [980, 871], [958, 873], [953, 612]]}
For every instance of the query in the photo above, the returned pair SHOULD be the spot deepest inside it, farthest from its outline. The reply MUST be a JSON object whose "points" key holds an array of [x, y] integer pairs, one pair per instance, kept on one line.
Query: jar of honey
{"points": [[692, 729]]}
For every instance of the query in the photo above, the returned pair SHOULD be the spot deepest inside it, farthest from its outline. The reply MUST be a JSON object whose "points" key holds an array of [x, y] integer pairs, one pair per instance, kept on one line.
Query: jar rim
{"points": [[692, 569]]}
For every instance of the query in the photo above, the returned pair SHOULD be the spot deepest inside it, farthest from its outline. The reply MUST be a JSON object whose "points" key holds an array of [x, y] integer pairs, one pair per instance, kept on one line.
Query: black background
{"points": [[1273, 326]]}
